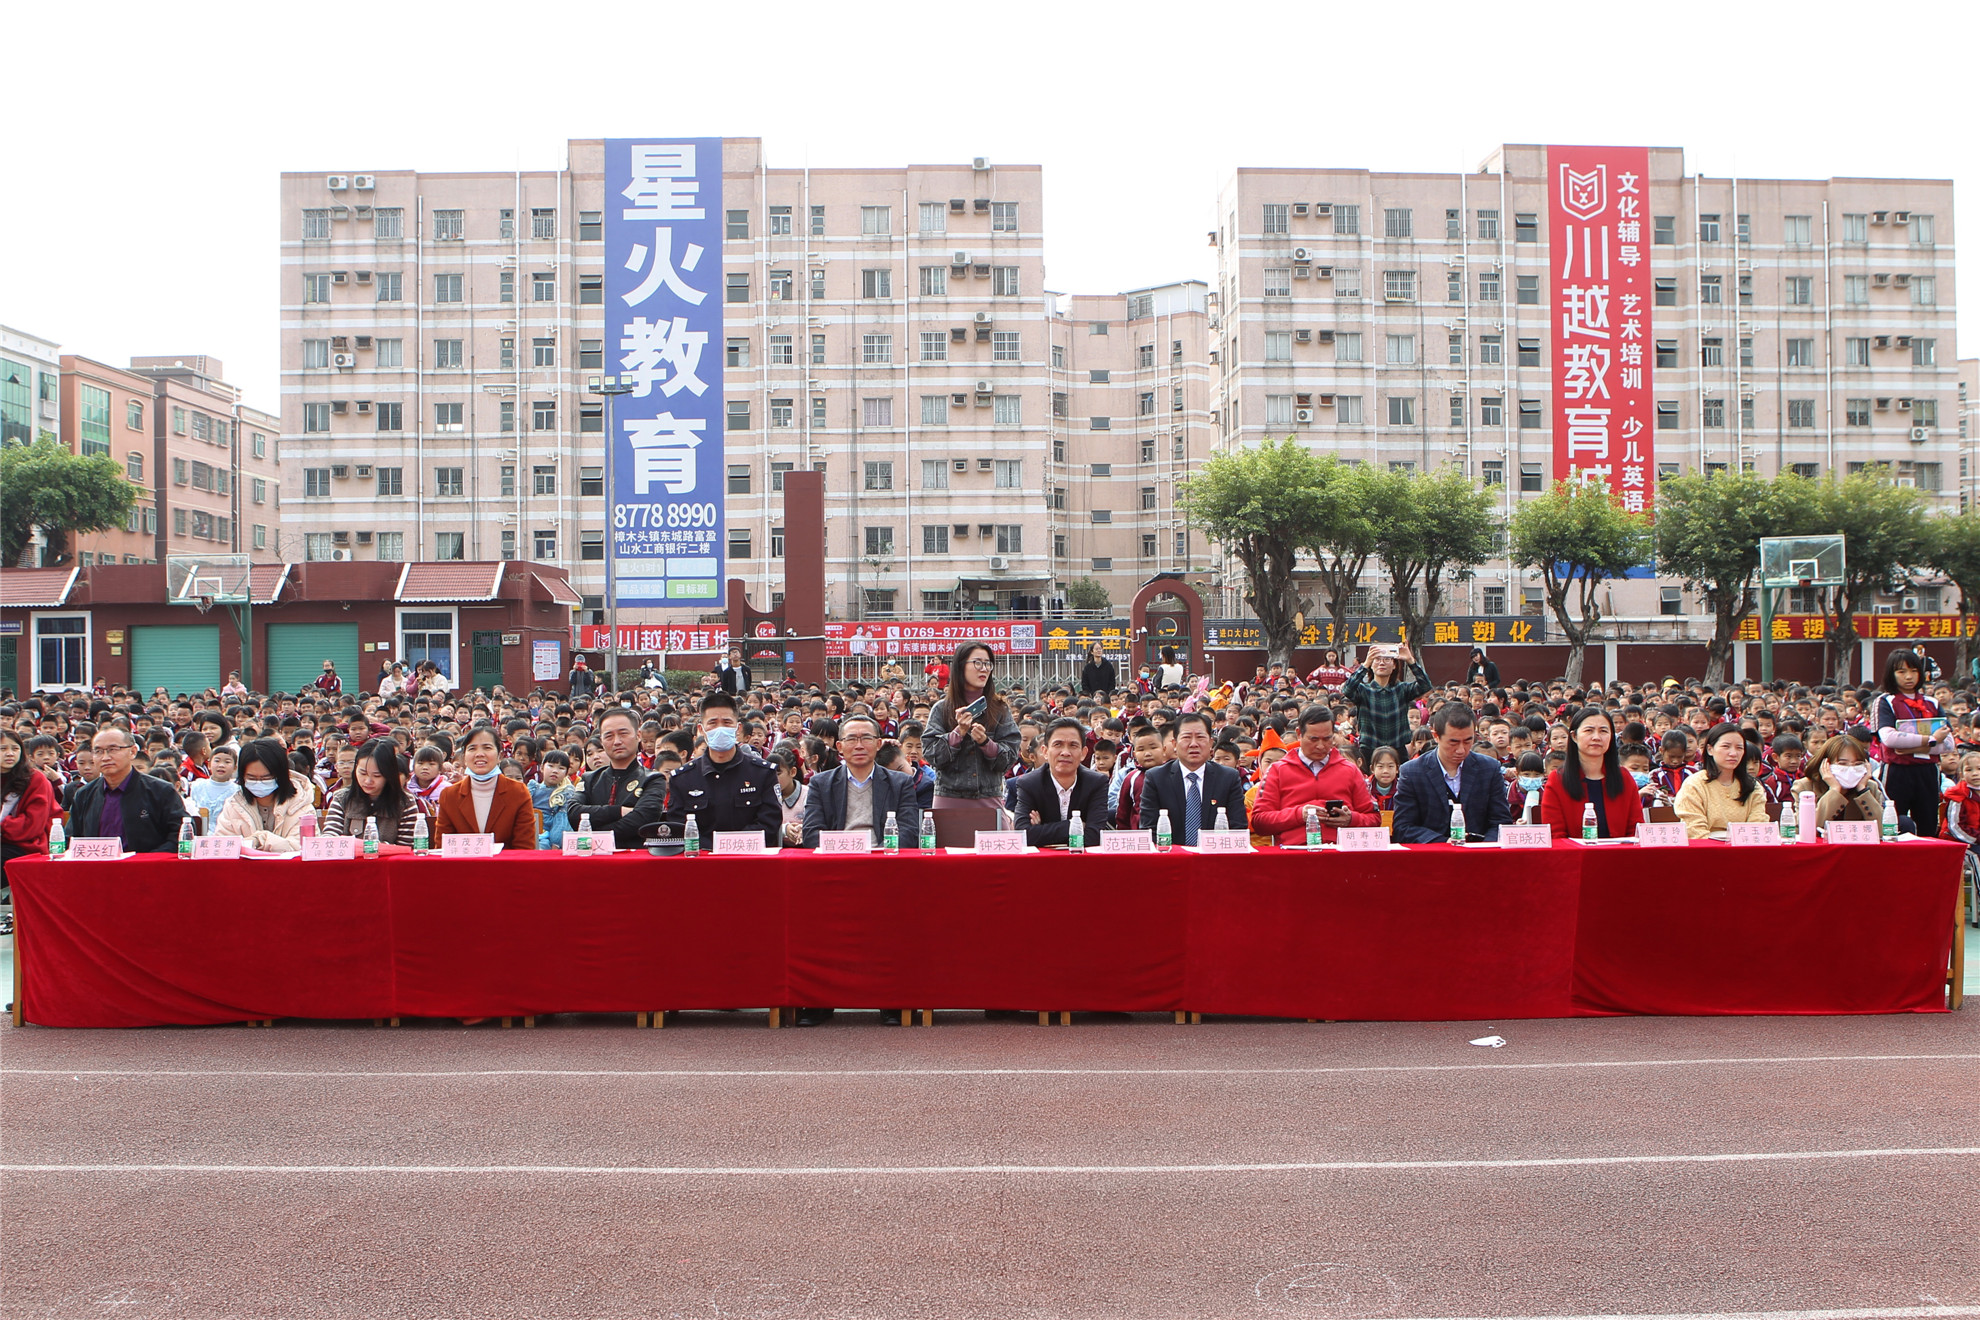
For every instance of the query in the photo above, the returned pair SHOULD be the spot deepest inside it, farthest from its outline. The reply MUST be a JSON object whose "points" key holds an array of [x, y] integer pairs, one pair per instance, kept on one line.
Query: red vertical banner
{"points": [[1604, 416]]}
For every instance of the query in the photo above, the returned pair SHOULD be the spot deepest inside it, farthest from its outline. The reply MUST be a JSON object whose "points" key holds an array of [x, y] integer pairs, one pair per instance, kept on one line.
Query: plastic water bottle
{"points": [[1788, 826], [1532, 806], [1588, 820], [1890, 821], [927, 833], [691, 832], [371, 836], [1457, 822], [1075, 833], [58, 839], [890, 835], [185, 839], [1164, 836], [1313, 835], [1805, 812], [421, 841], [1222, 824], [306, 828], [584, 834]]}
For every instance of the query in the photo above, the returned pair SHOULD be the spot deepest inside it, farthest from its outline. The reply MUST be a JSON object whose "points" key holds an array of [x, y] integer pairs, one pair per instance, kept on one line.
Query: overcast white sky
{"points": [[146, 141]]}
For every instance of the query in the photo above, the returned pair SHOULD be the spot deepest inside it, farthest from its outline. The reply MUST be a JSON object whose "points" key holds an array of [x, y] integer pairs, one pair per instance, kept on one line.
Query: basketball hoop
{"points": [[203, 604]]}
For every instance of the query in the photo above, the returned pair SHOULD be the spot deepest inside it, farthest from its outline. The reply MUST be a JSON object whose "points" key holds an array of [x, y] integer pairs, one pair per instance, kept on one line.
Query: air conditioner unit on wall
{"points": [[343, 359], [984, 386], [981, 318], [1920, 434], [337, 182], [363, 181], [340, 555], [998, 563], [1302, 415], [1303, 254]]}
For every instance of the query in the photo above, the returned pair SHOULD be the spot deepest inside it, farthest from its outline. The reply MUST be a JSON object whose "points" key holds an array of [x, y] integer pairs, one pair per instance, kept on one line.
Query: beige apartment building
{"points": [[1802, 325], [106, 412], [216, 479]]}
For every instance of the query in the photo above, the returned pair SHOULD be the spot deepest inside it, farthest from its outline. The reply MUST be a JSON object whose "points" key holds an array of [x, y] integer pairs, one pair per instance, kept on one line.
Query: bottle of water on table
{"points": [[1075, 834], [1457, 822], [185, 839], [1313, 835], [371, 836], [1588, 820], [691, 833], [421, 840], [583, 844], [1164, 836], [890, 835], [927, 832], [1890, 821], [1222, 824]]}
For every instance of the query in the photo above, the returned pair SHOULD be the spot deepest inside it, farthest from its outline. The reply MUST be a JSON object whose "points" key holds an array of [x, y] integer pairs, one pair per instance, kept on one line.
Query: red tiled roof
{"points": [[437, 582], [267, 581], [558, 590], [36, 588]]}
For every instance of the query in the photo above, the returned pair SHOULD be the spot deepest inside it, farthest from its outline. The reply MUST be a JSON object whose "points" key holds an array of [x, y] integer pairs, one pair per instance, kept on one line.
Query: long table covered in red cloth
{"points": [[1427, 933]]}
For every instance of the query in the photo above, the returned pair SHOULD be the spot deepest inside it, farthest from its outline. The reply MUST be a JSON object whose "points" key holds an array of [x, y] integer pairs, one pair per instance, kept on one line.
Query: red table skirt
{"points": [[1425, 934]]}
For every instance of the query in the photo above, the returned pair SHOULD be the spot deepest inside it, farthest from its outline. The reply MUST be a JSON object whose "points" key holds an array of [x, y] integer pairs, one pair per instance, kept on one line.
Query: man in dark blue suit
{"points": [[1451, 772], [1047, 796], [857, 792], [1192, 780]]}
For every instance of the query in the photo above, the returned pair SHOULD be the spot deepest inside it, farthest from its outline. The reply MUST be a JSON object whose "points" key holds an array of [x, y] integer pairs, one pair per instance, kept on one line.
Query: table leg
{"points": [[508, 1022], [639, 1020], [1065, 1018], [1044, 1019], [659, 1020], [1955, 976], [776, 1017], [927, 1017], [20, 1010], [529, 1021], [1195, 1019]]}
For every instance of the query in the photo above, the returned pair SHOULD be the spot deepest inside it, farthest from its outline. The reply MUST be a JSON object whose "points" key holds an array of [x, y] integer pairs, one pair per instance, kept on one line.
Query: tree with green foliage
{"points": [[1577, 536], [1709, 527], [1088, 594], [1953, 548], [44, 485], [1884, 531], [1344, 534], [1431, 527], [1262, 505]]}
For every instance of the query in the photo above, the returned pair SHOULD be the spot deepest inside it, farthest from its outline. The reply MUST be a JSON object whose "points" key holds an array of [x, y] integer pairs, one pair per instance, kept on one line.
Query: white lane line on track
{"points": [[965, 1170], [990, 1072], [1858, 1313]]}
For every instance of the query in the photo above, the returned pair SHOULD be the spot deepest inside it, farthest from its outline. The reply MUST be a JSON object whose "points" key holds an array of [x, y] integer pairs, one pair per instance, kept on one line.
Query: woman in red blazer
{"points": [[27, 800], [1594, 762], [501, 807]]}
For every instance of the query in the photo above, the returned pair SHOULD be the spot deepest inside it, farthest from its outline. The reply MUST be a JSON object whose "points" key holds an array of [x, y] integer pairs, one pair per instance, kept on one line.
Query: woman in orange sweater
{"points": [[485, 801]]}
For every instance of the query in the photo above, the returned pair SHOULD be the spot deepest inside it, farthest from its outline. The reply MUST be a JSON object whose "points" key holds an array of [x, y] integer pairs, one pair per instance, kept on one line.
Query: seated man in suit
{"points": [[1047, 796], [1192, 787], [857, 793], [1451, 772], [142, 811]]}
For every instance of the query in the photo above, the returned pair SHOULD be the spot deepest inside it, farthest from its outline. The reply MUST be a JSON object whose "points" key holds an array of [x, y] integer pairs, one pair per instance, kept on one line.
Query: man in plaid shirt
{"points": [[1381, 692]]}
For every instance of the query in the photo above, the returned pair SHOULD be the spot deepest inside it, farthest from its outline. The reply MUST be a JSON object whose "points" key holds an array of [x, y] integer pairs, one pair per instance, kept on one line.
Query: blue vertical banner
{"points": [[664, 293]]}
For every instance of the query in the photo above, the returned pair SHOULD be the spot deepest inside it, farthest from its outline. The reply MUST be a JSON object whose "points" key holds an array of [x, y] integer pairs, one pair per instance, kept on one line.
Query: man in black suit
{"points": [[732, 673], [857, 793], [1047, 796], [142, 811], [1192, 779], [619, 796]]}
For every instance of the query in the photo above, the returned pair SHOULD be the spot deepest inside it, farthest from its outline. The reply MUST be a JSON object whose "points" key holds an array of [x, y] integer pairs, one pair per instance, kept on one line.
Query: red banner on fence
{"points": [[657, 638], [1604, 419], [1873, 627], [912, 637]]}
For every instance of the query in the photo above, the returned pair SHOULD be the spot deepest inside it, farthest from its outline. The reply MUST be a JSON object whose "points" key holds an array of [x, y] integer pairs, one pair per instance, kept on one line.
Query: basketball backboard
{"points": [[1801, 561], [204, 581]]}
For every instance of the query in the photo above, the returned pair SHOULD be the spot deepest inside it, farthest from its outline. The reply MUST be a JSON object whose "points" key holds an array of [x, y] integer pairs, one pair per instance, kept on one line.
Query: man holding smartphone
{"points": [[1315, 775]]}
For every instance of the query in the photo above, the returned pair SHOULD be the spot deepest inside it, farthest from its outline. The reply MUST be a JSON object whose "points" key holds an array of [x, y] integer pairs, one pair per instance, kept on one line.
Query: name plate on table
{"points": [[601, 843], [1526, 836], [740, 843], [107, 849], [1853, 831], [1128, 841], [217, 847], [1753, 834], [1366, 838], [845, 841], [1223, 841], [467, 845], [1663, 834], [331, 847], [1000, 841]]}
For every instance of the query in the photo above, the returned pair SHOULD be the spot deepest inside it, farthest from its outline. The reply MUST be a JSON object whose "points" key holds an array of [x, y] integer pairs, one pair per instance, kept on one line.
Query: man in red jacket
{"points": [[1312, 775]]}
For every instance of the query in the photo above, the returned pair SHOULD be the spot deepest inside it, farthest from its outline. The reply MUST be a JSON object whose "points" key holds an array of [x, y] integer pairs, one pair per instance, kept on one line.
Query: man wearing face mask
{"points": [[723, 789], [620, 796]]}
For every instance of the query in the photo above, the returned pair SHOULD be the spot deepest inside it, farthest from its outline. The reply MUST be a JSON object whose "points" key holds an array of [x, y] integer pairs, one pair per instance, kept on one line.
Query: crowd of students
{"points": [[1367, 744]]}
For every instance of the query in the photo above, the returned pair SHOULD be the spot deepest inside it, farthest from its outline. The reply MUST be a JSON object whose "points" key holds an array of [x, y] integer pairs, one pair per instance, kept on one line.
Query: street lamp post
{"points": [[611, 387]]}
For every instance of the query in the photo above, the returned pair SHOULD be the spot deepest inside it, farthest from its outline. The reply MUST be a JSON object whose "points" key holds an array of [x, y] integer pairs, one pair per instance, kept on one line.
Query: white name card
{"points": [[845, 841], [1223, 841], [1663, 834], [740, 843], [1526, 836], [107, 849], [217, 847], [467, 845], [601, 843], [329, 848], [1854, 831], [1128, 841], [1368, 838], [1000, 841], [1752, 834]]}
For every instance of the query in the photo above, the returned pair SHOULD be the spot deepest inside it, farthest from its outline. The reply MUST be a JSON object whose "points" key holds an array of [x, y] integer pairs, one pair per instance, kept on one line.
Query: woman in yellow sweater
{"points": [[1723, 791]]}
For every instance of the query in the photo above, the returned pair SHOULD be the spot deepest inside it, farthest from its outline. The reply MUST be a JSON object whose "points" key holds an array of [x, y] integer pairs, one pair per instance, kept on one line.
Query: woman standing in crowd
{"points": [[1331, 673], [377, 793], [972, 740], [486, 801], [1724, 790], [1592, 774], [1908, 740], [1169, 674], [274, 798], [1097, 679]]}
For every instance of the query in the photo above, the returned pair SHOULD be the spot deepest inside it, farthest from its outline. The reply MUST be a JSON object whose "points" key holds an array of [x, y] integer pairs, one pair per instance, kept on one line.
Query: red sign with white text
{"points": [[917, 637], [658, 638], [1598, 249]]}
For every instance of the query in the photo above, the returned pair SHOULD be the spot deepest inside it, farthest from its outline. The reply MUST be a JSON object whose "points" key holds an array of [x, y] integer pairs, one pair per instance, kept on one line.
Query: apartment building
{"points": [[1969, 431], [216, 479], [106, 413], [881, 325], [1799, 325], [30, 387]]}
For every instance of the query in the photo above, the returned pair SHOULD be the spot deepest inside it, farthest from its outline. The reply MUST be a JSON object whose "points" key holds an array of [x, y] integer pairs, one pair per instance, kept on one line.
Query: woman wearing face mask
{"points": [[485, 801], [377, 793], [274, 798], [1845, 788], [1724, 791]]}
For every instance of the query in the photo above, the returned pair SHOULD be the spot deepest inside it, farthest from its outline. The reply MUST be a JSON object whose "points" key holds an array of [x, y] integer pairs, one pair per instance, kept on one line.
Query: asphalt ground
{"points": [[1118, 1168]]}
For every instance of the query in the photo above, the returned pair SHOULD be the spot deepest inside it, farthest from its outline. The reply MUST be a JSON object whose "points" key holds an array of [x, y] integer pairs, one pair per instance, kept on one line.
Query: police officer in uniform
{"points": [[616, 794], [722, 788]]}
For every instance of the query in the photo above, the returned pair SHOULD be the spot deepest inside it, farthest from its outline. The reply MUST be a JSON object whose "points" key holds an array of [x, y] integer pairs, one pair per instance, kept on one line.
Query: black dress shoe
{"points": [[813, 1017], [890, 1017]]}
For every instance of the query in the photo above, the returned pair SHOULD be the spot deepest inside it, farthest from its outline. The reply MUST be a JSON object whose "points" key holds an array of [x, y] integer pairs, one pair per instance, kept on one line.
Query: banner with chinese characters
{"points": [[911, 637], [1076, 637], [664, 294], [657, 638], [1448, 630], [1604, 424], [1874, 627]]}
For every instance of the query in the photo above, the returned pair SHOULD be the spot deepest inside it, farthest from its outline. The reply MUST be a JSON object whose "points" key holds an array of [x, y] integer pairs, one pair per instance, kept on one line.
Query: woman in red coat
{"points": [[486, 801], [1594, 762], [27, 802]]}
